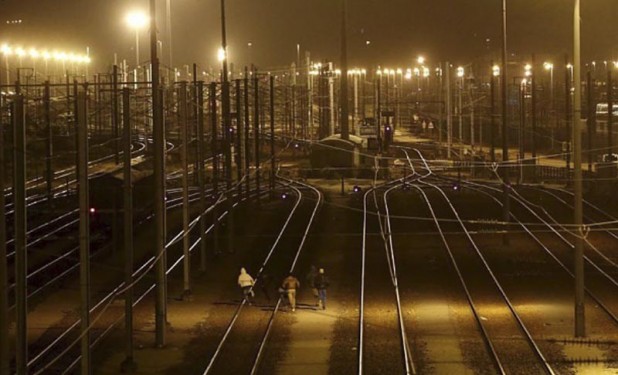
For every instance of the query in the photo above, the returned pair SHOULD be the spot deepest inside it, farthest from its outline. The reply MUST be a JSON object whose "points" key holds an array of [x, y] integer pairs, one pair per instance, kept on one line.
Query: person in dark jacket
{"points": [[321, 284], [290, 284], [266, 284], [313, 273]]}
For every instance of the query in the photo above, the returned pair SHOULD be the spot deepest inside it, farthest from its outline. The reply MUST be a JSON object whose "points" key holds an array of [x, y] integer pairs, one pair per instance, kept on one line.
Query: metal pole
{"points": [[20, 227], [331, 102], [136, 54], [84, 229], [522, 126], [492, 116], [239, 137], [610, 114], [460, 83], [441, 113], [159, 196], [506, 201], [272, 135], [567, 114], [214, 136], [168, 11], [4, 310], [128, 365], [215, 162], [533, 109], [449, 112], [200, 172], [115, 114], [256, 131], [184, 156], [379, 112], [580, 324], [49, 144], [355, 118], [246, 129], [227, 126], [343, 90], [590, 117]]}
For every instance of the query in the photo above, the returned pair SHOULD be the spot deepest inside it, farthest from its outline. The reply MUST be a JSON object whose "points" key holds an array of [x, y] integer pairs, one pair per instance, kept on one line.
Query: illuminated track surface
{"points": [[383, 341], [507, 340], [557, 243], [249, 329]]}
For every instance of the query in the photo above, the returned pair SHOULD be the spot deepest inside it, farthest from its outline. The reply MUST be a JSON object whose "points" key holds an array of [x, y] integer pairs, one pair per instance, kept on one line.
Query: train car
{"points": [[106, 196]]}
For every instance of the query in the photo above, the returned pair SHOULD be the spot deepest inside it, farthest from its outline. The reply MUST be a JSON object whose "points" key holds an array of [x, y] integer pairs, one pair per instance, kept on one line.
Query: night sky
{"points": [[399, 30]]}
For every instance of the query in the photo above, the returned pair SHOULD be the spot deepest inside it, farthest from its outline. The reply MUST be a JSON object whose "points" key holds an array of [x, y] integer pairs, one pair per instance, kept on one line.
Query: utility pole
{"points": [[239, 137], [84, 230], [115, 114], [449, 112], [159, 194], [590, 117], [4, 305], [610, 117], [379, 111], [184, 156], [580, 323], [533, 117], [567, 114], [343, 90], [128, 365], [273, 162], [227, 126], [212, 95], [256, 131], [49, 150], [199, 107], [506, 213], [522, 126], [20, 228], [246, 130], [492, 117]]}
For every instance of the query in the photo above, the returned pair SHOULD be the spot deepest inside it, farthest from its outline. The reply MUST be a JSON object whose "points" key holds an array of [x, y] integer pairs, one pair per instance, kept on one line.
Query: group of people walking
{"points": [[317, 280]]}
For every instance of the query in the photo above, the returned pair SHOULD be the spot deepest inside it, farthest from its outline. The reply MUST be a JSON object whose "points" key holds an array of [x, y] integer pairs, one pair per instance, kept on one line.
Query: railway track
{"points": [[508, 340], [250, 328], [59, 352]]}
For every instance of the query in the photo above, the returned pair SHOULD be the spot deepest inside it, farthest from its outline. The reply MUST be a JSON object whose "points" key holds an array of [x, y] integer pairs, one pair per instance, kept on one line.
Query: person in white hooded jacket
{"points": [[245, 281]]}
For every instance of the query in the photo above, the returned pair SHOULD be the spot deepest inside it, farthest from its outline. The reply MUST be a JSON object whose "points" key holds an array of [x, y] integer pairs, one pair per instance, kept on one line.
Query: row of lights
{"points": [[7, 50]]}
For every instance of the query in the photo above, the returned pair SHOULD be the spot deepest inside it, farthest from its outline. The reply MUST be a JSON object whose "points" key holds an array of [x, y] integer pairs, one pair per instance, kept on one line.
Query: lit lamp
{"points": [[137, 20], [221, 55]]}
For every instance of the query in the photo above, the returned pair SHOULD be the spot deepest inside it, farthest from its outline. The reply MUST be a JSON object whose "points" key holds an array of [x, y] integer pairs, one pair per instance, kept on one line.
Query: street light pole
{"points": [[227, 122], [343, 90], [580, 326], [506, 216], [159, 191], [136, 50], [168, 8]]}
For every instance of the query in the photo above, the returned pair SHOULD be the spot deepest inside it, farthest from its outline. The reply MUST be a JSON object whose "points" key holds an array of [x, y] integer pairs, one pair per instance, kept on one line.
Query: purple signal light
{"points": [[284, 196], [296, 145], [388, 128], [93, 210], [455, 187], [356, 189]]}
